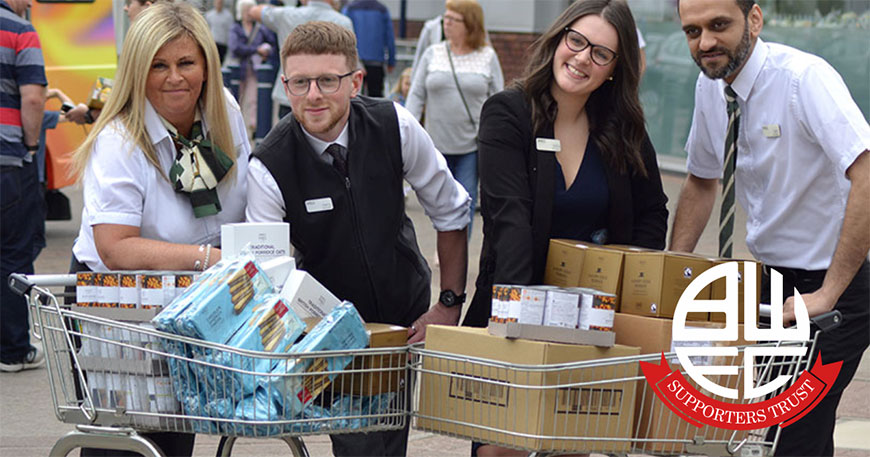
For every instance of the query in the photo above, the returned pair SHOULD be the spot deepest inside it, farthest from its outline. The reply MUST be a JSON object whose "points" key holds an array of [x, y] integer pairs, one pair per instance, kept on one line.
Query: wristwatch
{"points": [[449, 299], [33, 148]]}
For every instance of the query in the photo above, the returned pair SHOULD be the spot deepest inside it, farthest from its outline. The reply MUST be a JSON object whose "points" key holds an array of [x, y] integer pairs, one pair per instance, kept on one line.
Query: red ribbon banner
{"points": [[699, 409]]}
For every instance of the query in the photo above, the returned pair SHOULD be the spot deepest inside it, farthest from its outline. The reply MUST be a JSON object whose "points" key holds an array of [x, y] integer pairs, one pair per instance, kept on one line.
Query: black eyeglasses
{"points": [[326, 84], [577, 42]]}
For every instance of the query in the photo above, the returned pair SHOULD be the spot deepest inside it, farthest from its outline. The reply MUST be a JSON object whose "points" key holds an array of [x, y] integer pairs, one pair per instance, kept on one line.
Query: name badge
{"points": [[548, 144], [771, 131], [318, 205]]}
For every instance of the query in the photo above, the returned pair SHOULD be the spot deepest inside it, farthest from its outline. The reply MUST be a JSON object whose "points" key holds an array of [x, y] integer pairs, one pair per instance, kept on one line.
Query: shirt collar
{"points": [[157, 131], [320, 146], [742, 85]]}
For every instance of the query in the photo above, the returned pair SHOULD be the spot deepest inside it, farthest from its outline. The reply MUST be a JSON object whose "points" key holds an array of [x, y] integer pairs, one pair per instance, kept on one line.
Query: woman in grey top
{"points": [[450, 120]]}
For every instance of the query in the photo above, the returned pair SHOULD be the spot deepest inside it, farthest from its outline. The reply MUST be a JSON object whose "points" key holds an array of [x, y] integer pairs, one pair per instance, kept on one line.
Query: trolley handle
{"points": [[828, 321], [19, 284]]}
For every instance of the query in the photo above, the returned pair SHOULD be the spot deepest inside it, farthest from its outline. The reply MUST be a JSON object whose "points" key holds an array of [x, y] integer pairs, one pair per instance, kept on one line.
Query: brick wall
{"points": [[512, 48]]}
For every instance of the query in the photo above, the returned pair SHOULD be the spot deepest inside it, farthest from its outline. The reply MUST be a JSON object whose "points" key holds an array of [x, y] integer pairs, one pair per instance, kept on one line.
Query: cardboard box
{"points": [[521, 401], [551, 334], [267, 240], [653, 282], [573, 263], [717, 290], [307, 296], [392, 375], [653, 419]]}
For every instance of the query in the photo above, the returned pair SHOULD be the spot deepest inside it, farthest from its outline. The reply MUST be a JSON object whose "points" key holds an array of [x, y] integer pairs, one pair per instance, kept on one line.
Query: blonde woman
{"points": [[165, 164]]}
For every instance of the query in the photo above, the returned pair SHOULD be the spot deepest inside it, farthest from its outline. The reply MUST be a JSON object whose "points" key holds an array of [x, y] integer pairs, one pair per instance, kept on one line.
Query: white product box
{"points": [[562, 309], [265, 240], [307, 296], [278, 269]]}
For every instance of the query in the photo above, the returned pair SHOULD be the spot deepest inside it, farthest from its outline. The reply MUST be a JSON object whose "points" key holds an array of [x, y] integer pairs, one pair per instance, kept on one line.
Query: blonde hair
{"points": [[158, 25], [405, 75], [472, 16]]}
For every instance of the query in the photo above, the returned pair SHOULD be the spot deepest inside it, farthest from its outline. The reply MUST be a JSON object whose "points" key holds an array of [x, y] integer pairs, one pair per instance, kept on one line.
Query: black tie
{"points": [[339, 157]]}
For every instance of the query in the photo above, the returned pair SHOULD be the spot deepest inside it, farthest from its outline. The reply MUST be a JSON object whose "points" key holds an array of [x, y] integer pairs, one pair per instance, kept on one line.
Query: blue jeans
{"points": [[19, 212], [464, 169]]}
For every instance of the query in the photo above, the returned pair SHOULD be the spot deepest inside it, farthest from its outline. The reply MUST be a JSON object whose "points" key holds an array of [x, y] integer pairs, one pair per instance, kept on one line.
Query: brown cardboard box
{"points": [[653, 281], [717, 289], [654, 420], [573, 263], [564, 263], [391, 366], [512, 400]]}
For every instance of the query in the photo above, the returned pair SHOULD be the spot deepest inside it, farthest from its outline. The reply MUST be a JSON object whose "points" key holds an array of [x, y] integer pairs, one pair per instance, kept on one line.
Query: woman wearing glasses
{"points": [[451, 82], [165, 164], [564, 153]]}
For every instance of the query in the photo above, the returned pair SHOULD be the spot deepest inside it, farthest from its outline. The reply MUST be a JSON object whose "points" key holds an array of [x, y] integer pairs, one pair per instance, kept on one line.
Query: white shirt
{"points": [[792, 183], [122, 187], [444, 200]]}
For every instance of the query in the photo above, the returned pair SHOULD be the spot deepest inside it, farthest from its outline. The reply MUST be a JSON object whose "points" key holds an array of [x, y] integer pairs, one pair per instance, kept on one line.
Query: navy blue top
{"points": [[580, 211]]}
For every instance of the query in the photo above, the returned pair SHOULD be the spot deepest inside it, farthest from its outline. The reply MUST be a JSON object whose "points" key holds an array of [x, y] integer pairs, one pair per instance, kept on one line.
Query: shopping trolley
{"points": [[594, 406], [116, 379]]}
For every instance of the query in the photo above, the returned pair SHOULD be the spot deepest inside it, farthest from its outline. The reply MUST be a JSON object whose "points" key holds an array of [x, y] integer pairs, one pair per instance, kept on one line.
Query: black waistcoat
{"points": [[364, 249]]}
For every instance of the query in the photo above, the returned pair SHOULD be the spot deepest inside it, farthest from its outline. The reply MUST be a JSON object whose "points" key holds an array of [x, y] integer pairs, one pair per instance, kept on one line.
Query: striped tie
{"points": [[726, 213]]}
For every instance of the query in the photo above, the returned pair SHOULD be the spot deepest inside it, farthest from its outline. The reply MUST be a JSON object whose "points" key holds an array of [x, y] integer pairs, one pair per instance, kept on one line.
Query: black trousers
{"points": [[172, 444], [391, 443], [374, 80], [813, 435], [222, 51]]}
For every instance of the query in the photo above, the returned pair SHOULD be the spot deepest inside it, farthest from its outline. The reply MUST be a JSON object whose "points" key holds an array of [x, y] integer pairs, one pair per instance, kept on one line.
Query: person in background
{"points": [[334, 171], [283, 20], [791, 145], [165, 165], [431, 33], [564, 153], [400, 90], [250, 43], [374, 35], [453, 80], [641, 43], [220, 21], [21, 105]]}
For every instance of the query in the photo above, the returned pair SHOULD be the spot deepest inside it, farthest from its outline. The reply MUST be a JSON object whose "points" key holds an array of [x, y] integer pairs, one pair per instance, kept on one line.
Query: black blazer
{"points": [[516, 200]]}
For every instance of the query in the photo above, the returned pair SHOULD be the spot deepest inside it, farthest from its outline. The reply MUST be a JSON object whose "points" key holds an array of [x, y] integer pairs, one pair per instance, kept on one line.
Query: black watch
{"points": [[449, 299], [33, 148]]}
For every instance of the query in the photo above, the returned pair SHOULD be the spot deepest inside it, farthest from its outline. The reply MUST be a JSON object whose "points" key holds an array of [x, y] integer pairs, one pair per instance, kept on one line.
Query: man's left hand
{"points": [[437, 315], [817, 303]]}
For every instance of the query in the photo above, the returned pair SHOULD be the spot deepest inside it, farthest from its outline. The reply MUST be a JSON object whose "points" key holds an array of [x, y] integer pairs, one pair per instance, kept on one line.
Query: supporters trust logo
{"points": [[697, 408]]}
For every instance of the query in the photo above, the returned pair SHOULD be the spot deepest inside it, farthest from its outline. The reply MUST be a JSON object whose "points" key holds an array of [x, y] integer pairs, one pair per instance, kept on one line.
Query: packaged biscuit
{"points": [[532, 305], [597, 310], [182, 282], [86, 288], [150, 290], [512, 303], [201, 287], [226, 305], [562, 308], [128, 290], [341, 329], [273, 327], [169, 288], [107, 286]]}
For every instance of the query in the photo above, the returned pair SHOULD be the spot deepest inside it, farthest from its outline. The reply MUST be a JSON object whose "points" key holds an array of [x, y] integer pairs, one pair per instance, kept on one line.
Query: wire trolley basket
{"points": [[592, 406], [105, 373]]}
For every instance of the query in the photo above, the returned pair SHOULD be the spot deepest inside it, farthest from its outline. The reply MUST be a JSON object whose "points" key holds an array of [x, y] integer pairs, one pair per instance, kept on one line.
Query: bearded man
{"points": [[780, 128]]}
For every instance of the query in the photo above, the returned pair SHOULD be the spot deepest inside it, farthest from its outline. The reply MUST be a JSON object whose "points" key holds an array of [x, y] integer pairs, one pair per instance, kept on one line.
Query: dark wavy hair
{"points": [[616, 120]]}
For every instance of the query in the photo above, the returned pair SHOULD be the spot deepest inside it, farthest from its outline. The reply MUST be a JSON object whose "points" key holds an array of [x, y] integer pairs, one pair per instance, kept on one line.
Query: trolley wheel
{"points": [[297, 447]]}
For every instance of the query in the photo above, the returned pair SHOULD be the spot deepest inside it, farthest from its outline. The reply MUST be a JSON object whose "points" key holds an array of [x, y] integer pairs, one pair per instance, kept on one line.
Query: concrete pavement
{"points": [[28, 426]]}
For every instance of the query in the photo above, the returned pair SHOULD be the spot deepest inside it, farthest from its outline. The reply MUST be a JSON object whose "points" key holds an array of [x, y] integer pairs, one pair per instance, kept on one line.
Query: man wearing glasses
{"points": [[781, 128], [334, 171]]}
